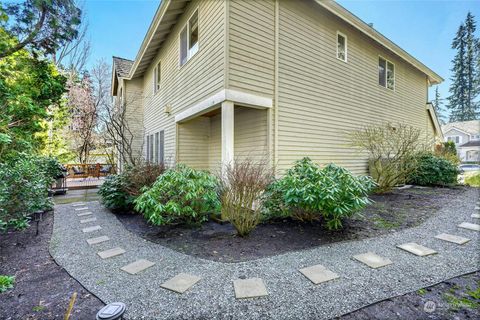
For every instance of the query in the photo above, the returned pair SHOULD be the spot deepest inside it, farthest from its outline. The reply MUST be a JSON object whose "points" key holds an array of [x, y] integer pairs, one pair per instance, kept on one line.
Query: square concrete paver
{"points": [[181, 282], [81, 209], [452, 238], [470, 226], [475, 215], [249, 288], [97, 240], [83, 214], [88, 220], [91, 229], [137, 266], [318, 274], [372, 260], [79, 204], [111, 253], [417, 249]]}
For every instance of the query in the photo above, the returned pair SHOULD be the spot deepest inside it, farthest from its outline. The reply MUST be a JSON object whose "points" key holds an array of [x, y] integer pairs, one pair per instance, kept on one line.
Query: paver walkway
{"points": [[287, 292]]}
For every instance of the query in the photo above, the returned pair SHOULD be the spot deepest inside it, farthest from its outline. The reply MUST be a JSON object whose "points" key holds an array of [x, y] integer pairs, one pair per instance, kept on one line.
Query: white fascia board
{"points": [[213, 102]]}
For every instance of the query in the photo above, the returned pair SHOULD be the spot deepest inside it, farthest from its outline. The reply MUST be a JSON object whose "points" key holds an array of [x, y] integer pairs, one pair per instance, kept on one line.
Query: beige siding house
{"points": [[269, 79]]}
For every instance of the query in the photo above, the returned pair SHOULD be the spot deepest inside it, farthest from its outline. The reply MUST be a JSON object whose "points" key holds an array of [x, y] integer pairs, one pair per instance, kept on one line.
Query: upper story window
{"points": [[157, 76], [341, 46], [386, 73], [476, 137], [455, 139], [189, 39]]}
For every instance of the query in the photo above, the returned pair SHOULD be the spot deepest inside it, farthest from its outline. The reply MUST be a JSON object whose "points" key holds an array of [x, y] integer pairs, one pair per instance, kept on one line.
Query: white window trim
{"points": [[197, 47], [346, 45], [156, 85], [386, 71]]}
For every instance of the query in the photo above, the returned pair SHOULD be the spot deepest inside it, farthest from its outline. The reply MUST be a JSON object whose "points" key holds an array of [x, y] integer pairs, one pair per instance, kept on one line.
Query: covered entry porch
{"points": [[228, 126]]}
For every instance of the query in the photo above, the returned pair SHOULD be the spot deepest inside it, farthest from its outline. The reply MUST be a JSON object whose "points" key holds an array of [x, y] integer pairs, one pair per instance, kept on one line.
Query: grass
{"points": [[473, 180], [471, 300], [422, 292], [385, 224], [6, 283], [38, 308]]}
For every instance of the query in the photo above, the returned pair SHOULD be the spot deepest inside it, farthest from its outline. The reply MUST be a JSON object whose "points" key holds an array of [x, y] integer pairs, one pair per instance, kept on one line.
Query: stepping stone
{"points": [[84, 214], [88, 220], [249, 288], [372, 260], [79, 204], [81, 209], [111, 253], [181, 282], [470, 226], [137, 266], [318, 274], [97, 240], [452, 238], [477, 208], [416, 249], [91, 229], [475, 215]]}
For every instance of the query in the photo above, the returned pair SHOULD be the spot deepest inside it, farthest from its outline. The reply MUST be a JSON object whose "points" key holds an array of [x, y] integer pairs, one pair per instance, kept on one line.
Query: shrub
{"points": [[114, 195], [433, 171], [473, 180], [448, 151], [180, 195], [391, 150], [332, 193], [23, 189], [242, 186], [6, 283], [119, 191]]}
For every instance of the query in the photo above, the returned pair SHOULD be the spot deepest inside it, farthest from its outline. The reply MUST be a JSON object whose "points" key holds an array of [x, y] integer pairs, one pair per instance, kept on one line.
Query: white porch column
{"points": [[227, 133]]}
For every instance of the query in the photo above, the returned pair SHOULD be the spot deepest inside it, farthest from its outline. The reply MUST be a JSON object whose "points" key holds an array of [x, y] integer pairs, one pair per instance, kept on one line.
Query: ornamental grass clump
{"points": [[330, 194], [180, 195], [241, 188]]}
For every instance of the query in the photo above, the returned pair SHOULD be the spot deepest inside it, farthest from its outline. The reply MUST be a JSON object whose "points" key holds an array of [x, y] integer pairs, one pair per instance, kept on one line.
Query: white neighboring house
{"points": [[466, 136]]}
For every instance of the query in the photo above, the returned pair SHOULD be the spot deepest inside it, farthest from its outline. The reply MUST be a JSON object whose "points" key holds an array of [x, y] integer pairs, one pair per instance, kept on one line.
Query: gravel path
{"points": [[291, 295]]}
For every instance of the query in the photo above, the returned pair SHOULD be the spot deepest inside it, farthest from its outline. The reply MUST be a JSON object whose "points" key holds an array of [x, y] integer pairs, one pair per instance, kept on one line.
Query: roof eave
{"points": [[360, 25]]}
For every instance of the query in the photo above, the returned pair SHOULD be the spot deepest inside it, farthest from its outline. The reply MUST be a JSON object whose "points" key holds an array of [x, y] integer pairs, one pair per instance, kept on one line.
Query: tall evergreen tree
{"points": [[465, 84], [437, 104]]}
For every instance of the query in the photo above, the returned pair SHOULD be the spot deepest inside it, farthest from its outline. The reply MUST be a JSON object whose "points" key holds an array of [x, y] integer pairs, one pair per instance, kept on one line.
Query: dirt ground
{"points": [[457, 298], [215, 241], [42, 288]]}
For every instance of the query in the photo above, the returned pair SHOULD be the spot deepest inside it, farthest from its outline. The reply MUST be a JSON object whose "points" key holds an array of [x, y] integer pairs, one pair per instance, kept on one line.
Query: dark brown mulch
{"points": [[457, 298], [398, 210], [42, 288]]}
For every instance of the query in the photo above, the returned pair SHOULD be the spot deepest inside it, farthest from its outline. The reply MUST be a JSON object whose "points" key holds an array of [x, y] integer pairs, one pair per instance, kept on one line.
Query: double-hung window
{"points": [[189, 39], [386, 73], [341, 46], [157, 77]]}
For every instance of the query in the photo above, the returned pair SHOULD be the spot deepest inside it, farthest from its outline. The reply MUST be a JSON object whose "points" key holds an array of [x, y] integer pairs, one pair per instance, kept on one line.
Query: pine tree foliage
{"points": [[465, 89]]}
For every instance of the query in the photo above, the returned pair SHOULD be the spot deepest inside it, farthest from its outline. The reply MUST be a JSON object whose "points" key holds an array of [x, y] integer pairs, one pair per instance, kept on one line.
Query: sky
{"points": [[424, 29]]}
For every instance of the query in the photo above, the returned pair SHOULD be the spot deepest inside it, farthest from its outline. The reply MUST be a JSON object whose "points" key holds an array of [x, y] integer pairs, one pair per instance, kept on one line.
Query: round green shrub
{"points": [[432, 170], [114, 195], [180, 195], [309, 193]]}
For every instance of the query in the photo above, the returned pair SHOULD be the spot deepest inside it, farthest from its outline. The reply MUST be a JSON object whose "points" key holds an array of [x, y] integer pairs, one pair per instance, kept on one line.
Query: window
{"points": [[156, 78], [148, 148], [455, 139], [476, 137], [341, 47], [189, 39], [386, 73], [150, 158], [161, 148]]}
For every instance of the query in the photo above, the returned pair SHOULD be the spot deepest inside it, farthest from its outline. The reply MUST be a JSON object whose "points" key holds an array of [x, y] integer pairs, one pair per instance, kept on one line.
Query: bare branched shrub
{"points": [[392, 150], [142, 175], [242, 185]]}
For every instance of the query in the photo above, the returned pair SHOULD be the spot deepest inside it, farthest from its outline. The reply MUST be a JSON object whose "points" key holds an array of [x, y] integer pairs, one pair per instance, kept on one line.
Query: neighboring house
{"points": [[466, 136], [225, 80]]}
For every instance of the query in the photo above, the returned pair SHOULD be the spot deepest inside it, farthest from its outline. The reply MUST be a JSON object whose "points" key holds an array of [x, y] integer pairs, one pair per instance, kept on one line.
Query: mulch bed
{"points": [[42, 288], [215, 241], [457, 298]]}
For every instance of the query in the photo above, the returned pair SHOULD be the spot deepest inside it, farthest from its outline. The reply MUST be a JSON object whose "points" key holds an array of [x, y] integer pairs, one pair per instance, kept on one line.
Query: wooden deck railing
{"points": [[96, 170]]}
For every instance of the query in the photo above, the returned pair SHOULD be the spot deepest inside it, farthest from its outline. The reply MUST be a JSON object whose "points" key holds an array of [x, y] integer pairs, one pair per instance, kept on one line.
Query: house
{"points": [[270, 79], [466, 136]]}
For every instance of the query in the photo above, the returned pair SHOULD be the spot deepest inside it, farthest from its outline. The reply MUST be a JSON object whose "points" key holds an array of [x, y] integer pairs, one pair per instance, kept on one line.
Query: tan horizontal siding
{"points": [[193, 141], [322, 99], [182, 87]]}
